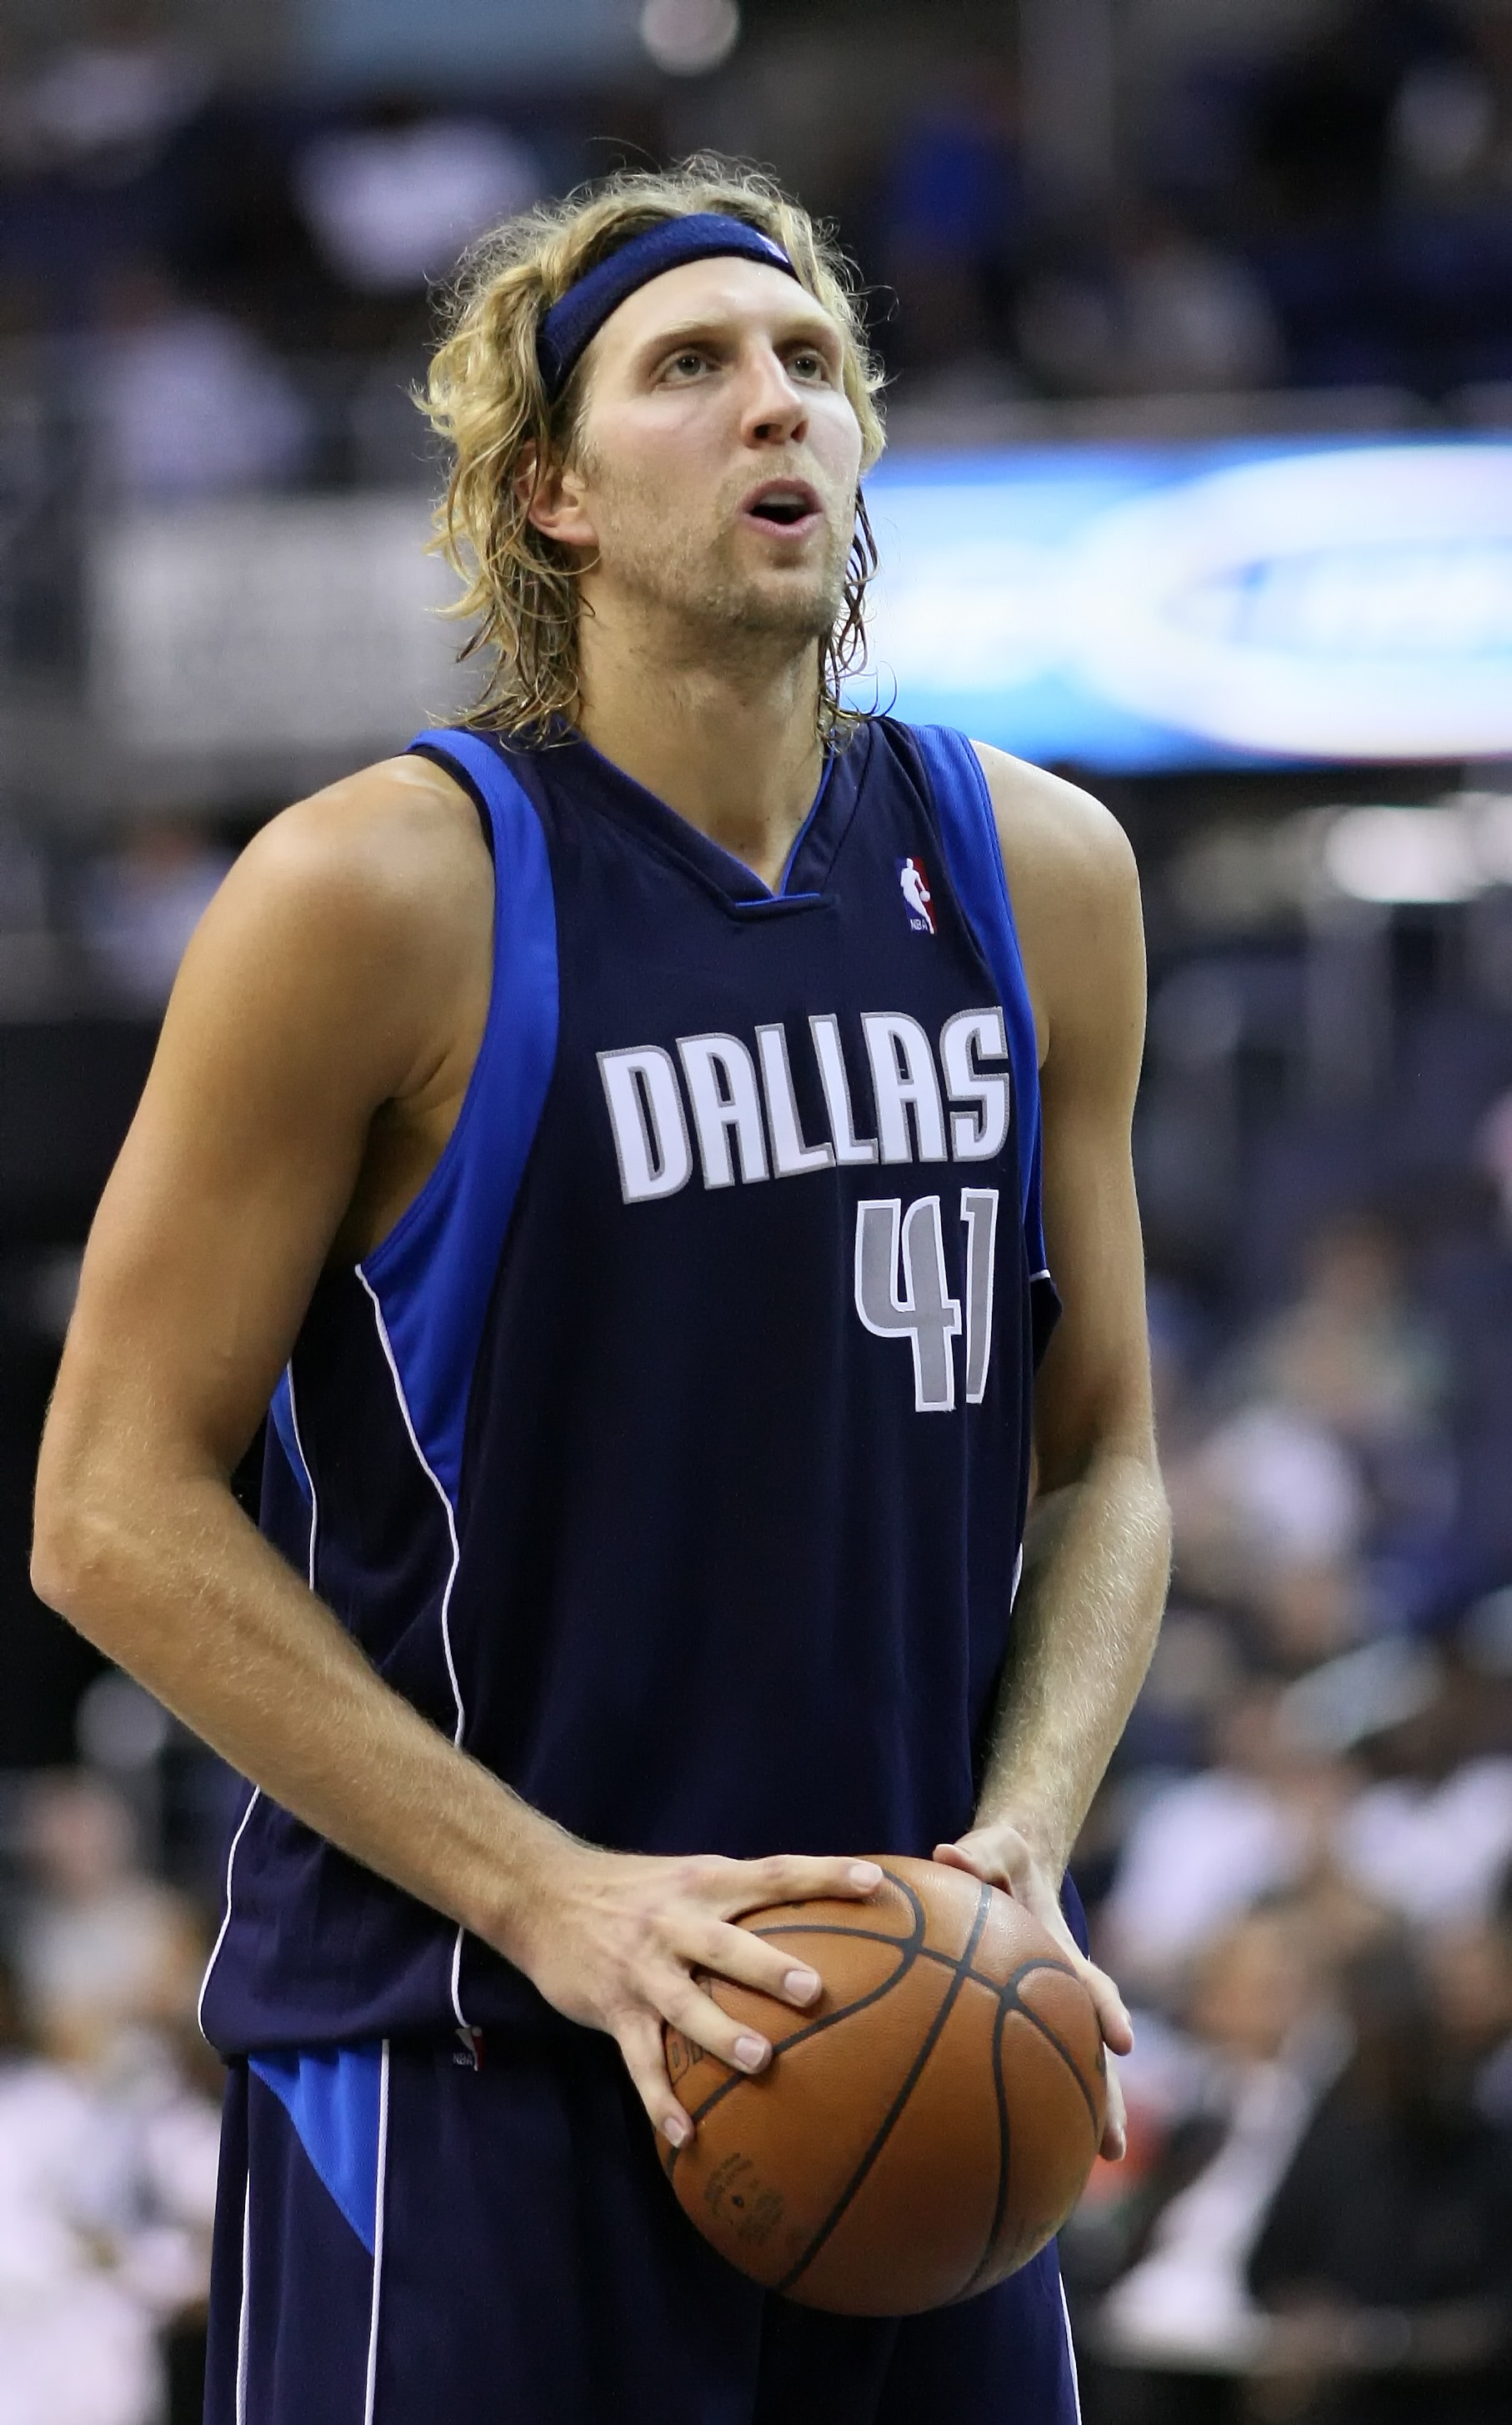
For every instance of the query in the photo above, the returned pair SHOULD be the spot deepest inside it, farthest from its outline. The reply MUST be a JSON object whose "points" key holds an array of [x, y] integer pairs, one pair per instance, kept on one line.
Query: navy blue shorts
{"points": [[406, 2240]]}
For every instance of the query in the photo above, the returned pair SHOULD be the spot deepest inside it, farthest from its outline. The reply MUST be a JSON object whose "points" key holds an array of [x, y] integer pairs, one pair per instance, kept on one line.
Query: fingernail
{"points": [[865, 1874], [802, 1985], [678, 2129], [750, 2053]]}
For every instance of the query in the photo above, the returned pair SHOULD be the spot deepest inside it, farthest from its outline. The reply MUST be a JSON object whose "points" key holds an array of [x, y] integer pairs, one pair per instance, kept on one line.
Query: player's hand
{"points": [[615, 1940], [1002, 1858]]}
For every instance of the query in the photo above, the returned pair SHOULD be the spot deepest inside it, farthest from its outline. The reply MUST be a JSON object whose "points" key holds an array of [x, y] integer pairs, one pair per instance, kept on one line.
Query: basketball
{"points": [[925, 2127]]}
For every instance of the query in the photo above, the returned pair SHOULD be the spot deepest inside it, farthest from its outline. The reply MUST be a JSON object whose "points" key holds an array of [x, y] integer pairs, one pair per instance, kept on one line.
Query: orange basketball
{"points": [[925, 2127]]}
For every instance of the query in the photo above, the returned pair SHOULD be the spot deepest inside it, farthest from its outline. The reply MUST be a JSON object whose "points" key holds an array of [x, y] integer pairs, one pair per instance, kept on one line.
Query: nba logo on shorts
{"points": [[917, 896]]}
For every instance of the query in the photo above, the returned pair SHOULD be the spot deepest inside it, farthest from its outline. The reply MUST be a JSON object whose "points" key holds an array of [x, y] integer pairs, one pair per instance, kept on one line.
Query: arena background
{"points": [[1197, 315]]}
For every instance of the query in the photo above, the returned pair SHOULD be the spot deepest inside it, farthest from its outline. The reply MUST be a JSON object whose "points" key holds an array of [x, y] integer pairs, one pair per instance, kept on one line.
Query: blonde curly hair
{"points": [[485, 397]]}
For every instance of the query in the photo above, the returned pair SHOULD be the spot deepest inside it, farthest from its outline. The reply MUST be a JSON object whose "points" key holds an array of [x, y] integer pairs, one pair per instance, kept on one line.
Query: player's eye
{"points": [[686, 364], [808, 365]]}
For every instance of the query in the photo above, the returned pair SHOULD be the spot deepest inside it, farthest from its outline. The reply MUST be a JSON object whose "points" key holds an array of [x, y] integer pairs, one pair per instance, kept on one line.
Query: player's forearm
{"points": [[185, 1594], [1097, 1560]]}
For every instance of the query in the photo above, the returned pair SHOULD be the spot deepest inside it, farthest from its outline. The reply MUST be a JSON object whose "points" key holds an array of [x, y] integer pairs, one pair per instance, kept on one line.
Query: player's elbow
{"points": [[80, 1537], [67, 1554]]}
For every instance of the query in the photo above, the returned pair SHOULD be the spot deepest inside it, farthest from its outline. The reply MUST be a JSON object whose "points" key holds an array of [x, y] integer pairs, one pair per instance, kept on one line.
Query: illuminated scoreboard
{"points": [[1167, 606]]}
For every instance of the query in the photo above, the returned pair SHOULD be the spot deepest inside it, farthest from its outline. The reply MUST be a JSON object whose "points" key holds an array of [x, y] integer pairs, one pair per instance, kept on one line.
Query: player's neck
{"points": [[733, 747]]}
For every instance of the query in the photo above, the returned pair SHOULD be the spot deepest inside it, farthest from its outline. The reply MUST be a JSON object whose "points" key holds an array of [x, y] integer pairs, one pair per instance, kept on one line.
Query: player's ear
{"points": [[553, 497]]}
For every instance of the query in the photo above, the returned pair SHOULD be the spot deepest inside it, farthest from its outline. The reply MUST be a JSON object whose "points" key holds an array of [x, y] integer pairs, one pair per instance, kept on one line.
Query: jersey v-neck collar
{"points": [[809, 862]]}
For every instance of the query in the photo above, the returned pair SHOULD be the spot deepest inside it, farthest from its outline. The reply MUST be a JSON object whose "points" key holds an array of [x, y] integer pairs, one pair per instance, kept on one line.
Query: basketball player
{"points": [[612, 1137]]}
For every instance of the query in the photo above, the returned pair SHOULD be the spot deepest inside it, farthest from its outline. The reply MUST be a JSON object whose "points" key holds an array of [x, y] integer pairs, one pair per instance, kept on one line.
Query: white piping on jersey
{"points": [[310, 1574], [225, 1917], [242, 2318], [1070, 2352], [379, 2201], [314, 1504], [434, 1479]]}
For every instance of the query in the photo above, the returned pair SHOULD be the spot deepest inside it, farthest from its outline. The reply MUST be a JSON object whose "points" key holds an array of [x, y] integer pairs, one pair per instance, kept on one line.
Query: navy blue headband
{"points": [[573, 323]]}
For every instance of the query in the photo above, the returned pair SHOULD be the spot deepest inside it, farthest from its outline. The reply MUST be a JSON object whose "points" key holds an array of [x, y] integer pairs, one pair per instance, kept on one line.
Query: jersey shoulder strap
{"points": [[974, 857], [431, 1277]]}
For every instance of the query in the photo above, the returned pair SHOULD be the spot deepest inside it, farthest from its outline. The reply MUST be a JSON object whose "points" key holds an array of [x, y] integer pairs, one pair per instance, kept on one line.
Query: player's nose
{"points": [[775, 408]]}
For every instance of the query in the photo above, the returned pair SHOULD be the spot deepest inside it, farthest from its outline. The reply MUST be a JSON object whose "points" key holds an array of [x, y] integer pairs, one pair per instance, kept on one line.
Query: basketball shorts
{"points": [[403, 2239]]}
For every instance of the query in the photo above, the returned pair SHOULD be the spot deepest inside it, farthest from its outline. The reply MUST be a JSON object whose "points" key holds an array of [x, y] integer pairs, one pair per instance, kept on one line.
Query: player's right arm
{"points": [[313, 1058]]}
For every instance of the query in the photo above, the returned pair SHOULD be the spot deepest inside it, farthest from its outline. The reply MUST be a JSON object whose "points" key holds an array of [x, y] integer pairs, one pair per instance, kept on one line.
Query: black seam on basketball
{"points": [[1000, 2093], [947, 2006], [1013, 2002], [909, 1947], [839, 1928]]}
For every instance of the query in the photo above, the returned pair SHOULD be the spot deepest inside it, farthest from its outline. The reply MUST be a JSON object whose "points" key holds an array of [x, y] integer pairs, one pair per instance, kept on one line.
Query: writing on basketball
{"points": [[745, 1108]]}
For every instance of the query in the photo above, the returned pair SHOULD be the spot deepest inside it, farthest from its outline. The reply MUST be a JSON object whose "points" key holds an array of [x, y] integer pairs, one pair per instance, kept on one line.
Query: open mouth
{"points": [[783, 503]]}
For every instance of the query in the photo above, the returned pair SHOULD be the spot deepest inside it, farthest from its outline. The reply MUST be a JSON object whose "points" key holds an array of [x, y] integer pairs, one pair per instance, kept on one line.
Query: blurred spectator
{"points": [[140, 903], [1268, 1488], [393, 203], [1351, 1352], [1472, 1971], [1165, 311], [954, 221], [28, 947], [76, 2347], [1328, 112], [1432, 1835], [108, 101], [1203, 1848], [1386, 2250], [104, 1951], [1493, 1153], [1265, 2041], [1441, 124], [1325, 1490], [187, 403]]}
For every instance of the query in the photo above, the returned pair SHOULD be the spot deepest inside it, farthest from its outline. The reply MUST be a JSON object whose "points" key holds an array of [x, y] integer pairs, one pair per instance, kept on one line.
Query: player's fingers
{"points": [[1115, 2126], [1013, 1867], [797, 1877], [1004, 1860], [681, 2001], [639, 2036], [735, 1953], [1112, 2012]]}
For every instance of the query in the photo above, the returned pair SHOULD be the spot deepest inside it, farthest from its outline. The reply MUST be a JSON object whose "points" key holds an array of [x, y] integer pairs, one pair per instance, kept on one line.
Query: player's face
{"points": [[718, 454]]}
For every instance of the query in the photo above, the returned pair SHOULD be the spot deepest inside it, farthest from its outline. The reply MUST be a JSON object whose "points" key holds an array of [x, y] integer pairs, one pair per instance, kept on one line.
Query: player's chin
{"points": [[796, 599]]}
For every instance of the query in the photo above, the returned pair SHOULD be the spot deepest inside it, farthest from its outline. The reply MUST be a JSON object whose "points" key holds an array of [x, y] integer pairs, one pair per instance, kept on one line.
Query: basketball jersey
{"points": [[672, 1452]]}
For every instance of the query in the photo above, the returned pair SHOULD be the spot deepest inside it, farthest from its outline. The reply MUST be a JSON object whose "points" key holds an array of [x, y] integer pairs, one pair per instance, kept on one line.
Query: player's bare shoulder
{"points": [[373, 901], [1075, 894], [390, 858]]}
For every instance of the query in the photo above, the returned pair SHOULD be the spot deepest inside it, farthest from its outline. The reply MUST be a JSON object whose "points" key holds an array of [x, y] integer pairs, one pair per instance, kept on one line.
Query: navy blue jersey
{"points": [[672, 1452]]}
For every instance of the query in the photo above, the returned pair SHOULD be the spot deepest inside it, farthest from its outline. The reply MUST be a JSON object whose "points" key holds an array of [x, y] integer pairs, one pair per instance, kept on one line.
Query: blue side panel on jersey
{"points": [[434, 1272], [333, 2096], [974, 855], [281, 1414]]}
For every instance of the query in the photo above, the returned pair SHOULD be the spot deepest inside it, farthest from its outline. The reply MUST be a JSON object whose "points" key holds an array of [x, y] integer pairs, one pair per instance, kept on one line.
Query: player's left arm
{"points": [[1098, 1545]]}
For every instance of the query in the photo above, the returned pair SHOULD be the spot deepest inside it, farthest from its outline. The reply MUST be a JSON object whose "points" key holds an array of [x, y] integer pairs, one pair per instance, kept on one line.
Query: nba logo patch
{"points": [[917, 898]]}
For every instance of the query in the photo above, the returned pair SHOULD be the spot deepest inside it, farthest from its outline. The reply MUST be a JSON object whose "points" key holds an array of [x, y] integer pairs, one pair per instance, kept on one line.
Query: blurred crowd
{"points": [[109, 2118], [237, 274], [1301, 1872], [1300, 1867]]}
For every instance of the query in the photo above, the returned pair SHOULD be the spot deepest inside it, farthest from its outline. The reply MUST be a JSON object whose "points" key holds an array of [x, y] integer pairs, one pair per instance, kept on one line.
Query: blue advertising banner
{"points": [[1166, 606]]}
